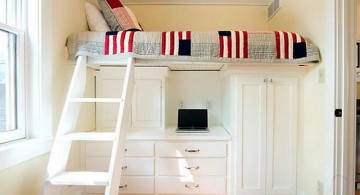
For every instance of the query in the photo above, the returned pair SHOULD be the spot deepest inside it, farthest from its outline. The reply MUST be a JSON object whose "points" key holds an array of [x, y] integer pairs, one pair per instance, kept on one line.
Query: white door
{"points": [[281, 133], [251, 135]]}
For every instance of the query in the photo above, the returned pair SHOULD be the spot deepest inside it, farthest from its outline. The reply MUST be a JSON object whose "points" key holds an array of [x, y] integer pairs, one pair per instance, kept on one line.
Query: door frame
{"points": [[340, 171]]}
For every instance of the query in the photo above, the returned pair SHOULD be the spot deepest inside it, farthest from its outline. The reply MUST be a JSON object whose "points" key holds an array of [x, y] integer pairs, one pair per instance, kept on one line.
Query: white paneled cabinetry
{"points": [[260, 112], [148, 105], [265, 133], [165, 163]]}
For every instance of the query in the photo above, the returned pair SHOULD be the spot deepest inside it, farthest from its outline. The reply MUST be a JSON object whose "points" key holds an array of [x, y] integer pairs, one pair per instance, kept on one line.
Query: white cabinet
{"points": [[166, 163], [138, 168], [266, 128], [191, 167], [148, 105]]}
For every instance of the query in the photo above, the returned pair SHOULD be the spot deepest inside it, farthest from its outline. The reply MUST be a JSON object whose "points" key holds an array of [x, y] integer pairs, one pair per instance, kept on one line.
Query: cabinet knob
{"points": [[192, 186], [125, 150], [123, 186], [192, 150], [124, 167], [192, 167]]}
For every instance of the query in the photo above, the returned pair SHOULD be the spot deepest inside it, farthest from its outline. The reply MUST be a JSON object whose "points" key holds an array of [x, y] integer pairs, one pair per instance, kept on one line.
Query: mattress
{"points": [[238, 47]]}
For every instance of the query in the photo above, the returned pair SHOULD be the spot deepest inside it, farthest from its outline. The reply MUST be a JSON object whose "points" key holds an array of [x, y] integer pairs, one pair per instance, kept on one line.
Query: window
{"points": [[12, 97]]}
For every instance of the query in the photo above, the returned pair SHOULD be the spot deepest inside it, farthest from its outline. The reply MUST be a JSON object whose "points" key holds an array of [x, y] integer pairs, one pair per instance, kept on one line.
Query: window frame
{"points": [[20, 131]]}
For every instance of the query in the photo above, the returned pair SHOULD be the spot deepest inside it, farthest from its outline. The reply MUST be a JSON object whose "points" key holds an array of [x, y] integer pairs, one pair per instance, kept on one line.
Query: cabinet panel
{"points": [[266, 123], [147, 102], [131, 166], [107, 112], [133, 149], [129, 185], [251, 120], [191, 166], [281, 136], [191, 185], [148, 99], [191, 149]]}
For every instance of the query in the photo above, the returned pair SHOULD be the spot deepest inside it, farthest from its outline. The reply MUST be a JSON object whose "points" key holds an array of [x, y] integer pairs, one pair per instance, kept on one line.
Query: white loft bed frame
{"points": [[56, 174]]}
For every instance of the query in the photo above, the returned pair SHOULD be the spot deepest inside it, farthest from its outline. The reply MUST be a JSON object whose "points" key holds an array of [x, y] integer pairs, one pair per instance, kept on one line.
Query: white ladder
{"points": [[57, 176]]}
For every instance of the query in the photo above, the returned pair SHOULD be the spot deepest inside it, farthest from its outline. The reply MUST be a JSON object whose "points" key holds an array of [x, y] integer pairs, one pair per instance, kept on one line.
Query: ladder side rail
{"points": [[60, 151], [122, 126]]}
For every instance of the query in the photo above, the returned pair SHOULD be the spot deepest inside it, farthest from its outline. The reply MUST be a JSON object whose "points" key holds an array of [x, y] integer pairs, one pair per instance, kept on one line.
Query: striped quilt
{"points": [[223, 46]]}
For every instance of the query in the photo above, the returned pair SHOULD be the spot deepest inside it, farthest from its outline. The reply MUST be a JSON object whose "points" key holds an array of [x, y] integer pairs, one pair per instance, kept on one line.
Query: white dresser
{"points": [[163, 162]]}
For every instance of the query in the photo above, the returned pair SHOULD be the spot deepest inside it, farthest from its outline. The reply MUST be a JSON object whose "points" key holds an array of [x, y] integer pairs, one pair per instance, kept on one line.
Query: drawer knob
{"points": [[192, 150], [192, 167], [123, 186], [124, 167], [125, 150], [192, 186]]}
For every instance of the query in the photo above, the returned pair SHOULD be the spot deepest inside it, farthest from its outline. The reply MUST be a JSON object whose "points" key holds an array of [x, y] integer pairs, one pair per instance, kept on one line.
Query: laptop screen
{"points": [[192, 119]]}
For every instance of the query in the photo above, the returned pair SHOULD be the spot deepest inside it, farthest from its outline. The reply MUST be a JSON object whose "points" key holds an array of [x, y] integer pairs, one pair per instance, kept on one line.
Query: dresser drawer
{"points": [[191, 166], [191, 149], [191, 185], [141, 149], [131, 166], [129, 185]]}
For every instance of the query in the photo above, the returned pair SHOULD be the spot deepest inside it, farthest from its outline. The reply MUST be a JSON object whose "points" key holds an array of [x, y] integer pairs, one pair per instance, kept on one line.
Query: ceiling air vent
{"points": [[273, 7]]}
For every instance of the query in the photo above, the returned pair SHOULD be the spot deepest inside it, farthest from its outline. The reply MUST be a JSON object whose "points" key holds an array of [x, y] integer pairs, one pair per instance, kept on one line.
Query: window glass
{"points": [[12, 87], [8, 90], [3, 11]]}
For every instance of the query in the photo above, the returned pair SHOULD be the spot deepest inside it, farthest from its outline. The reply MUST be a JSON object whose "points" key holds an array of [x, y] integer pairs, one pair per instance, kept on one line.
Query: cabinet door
{"points": [[147, 103], [107, 112], [281, 136], [251, 135]]}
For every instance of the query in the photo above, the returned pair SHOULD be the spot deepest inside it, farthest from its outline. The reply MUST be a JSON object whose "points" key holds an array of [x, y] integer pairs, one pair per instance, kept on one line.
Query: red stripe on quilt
{"points": [[277, 40], [114, 44], [221, 41], [293, 37], [131, 41], [286, 45], [302, 39], [188, 35], [163, 43], [172, 42], [114, 3], [180, 35], [237, 39], [246, 45], [229, 45], [122, 41], [107, 45]]}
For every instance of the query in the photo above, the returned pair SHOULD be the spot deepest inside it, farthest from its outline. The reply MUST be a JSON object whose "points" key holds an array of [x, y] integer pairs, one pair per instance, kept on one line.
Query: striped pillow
{"points": [[118, 16]]}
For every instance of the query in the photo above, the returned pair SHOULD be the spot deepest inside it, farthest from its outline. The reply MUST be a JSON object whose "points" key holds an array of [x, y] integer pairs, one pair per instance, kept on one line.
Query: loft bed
{"points": [[125, 44], [194, 50]]}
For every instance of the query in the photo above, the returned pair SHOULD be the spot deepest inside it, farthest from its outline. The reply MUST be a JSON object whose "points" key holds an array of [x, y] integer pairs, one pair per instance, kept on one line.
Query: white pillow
{"points": [[95, 18]]}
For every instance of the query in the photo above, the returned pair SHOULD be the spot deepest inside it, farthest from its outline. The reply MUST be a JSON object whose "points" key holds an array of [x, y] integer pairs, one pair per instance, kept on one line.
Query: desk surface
{"points": [[216, 133]]}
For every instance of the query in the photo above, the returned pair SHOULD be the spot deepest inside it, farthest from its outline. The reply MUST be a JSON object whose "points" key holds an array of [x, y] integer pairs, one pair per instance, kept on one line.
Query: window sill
{"points": [[23, 150]]}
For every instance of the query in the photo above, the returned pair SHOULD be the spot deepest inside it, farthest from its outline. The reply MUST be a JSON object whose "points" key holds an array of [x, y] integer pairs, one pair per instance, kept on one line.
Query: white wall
{"points": [[195, 90], [308, 17]]}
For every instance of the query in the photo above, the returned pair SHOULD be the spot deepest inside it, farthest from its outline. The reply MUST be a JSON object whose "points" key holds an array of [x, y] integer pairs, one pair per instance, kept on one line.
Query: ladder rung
{"points": [[81, 178], [89, 136], [106, 100]]}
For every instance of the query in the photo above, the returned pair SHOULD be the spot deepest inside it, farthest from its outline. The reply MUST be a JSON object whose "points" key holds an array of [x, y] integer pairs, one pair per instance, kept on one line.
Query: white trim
{"points": [[14, 153], [340, 170], [196, 2]]}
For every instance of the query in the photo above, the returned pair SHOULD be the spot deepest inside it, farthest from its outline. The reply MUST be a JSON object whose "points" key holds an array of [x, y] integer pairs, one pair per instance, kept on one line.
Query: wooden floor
{"points": [[357, 192]]}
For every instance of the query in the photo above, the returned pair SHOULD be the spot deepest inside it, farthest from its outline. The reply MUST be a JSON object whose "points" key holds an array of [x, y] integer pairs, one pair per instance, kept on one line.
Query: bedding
{"points": [[240, 47]]}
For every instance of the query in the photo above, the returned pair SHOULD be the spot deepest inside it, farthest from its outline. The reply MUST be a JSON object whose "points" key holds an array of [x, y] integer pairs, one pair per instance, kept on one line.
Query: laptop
{"points": [[192, 121]]}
